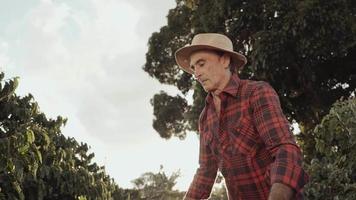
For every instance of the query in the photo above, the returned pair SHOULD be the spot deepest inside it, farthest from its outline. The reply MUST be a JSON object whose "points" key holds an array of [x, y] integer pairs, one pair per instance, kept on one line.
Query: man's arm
{"points": [[287, 175], [204, 178]]}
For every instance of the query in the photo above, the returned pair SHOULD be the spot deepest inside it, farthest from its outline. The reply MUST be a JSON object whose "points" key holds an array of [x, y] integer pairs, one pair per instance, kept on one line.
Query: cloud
{"points": [[4, 59], [88, 56], [150, 12], [83, 60]]}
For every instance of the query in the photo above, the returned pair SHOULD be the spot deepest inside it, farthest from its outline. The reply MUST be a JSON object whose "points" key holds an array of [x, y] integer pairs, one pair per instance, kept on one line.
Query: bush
{"points": [[333, 168]]}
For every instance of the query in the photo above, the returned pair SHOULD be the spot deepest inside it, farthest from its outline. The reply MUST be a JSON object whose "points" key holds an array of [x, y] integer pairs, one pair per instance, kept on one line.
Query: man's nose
{"points": [[197, 74]]}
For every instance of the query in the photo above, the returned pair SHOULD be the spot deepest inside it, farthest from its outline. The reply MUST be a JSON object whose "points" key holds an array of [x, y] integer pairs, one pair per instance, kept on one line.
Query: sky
{"points": [[82, 59]]}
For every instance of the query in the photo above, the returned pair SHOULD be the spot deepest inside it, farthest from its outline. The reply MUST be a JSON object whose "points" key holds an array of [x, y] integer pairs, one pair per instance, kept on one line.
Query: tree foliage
{"points": [[333, 170], [305, 49], [37, 161], [219, 191], [170, 114], [157, 186]]}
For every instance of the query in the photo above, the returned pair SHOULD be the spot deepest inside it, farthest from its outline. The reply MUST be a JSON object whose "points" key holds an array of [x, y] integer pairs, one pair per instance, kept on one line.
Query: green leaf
{"points": [[18, 189], [2, 75], [34, 168], [22, 150], [10, 166], [30, 136], [38, 155], [46, 139]]}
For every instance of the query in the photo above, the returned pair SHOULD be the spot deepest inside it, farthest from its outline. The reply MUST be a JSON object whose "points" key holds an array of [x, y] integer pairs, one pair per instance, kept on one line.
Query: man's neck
{"points": [[222, 85]]}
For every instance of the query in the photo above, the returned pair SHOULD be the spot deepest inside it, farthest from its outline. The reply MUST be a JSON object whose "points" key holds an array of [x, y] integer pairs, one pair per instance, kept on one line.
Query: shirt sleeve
{"points": [[274, 129], [205, 176]]}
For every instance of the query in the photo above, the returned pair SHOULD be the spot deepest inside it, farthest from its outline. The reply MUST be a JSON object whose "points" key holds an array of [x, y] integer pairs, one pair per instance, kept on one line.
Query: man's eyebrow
{"points": [[199, 60]]}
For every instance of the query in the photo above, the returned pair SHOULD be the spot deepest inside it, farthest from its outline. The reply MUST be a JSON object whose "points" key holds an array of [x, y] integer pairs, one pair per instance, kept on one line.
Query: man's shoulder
{"points": [[247, 83], [249, 86]]}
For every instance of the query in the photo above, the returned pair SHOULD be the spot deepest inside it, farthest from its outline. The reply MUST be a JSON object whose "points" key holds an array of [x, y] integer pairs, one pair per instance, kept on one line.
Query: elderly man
{"points": [[243, 131]]}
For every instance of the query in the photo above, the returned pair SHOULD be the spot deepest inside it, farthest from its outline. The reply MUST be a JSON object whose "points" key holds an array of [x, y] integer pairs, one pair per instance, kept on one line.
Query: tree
{"points": [[305, 49], [333, 172], [126, 194], [219, 191], [157, 186], [37, 161]]}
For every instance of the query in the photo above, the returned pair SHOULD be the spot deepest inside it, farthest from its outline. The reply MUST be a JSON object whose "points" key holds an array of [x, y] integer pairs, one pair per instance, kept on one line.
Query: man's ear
{"points": [[225, 60]]}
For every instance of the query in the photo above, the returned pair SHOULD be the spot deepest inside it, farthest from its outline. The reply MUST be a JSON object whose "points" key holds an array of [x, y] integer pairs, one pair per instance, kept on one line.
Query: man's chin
{"points": [[207, 89]]}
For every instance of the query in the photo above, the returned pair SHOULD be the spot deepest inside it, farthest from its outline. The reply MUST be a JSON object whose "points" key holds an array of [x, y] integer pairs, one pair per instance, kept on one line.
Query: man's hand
{"points": [[280, 191]]}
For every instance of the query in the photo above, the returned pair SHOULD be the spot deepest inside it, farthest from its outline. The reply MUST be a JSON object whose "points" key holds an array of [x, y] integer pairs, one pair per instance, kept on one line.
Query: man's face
{"points": [[209, 69]]}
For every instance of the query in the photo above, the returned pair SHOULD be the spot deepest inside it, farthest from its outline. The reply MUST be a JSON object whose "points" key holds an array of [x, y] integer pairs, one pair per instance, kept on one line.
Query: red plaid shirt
{"points": [[250, 143]]}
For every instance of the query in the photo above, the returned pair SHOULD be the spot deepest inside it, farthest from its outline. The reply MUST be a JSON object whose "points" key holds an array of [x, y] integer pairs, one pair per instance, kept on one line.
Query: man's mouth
{"points": [[203, 81]]}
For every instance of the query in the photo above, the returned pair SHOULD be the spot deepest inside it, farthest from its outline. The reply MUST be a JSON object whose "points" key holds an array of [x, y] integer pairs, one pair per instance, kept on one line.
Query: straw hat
{"points": [[209, 41]]}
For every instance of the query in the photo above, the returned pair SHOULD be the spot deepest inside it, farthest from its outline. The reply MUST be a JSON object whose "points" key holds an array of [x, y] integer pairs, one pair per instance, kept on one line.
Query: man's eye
{"points": [[201, 64]]}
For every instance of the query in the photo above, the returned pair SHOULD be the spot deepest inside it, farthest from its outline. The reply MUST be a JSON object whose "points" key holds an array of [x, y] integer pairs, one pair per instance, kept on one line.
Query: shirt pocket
{"points": [[244, 139]]}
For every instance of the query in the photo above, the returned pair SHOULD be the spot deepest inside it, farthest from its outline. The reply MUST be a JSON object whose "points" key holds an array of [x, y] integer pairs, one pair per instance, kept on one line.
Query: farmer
{"points": [[243, 131]]}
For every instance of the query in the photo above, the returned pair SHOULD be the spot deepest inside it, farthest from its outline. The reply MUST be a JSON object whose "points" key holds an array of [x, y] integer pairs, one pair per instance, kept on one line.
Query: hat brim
{"points": [[182, 56]]}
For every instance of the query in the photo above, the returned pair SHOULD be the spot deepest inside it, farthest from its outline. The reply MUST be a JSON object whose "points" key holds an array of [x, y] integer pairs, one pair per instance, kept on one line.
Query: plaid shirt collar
{"points": [[231, 88]]}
